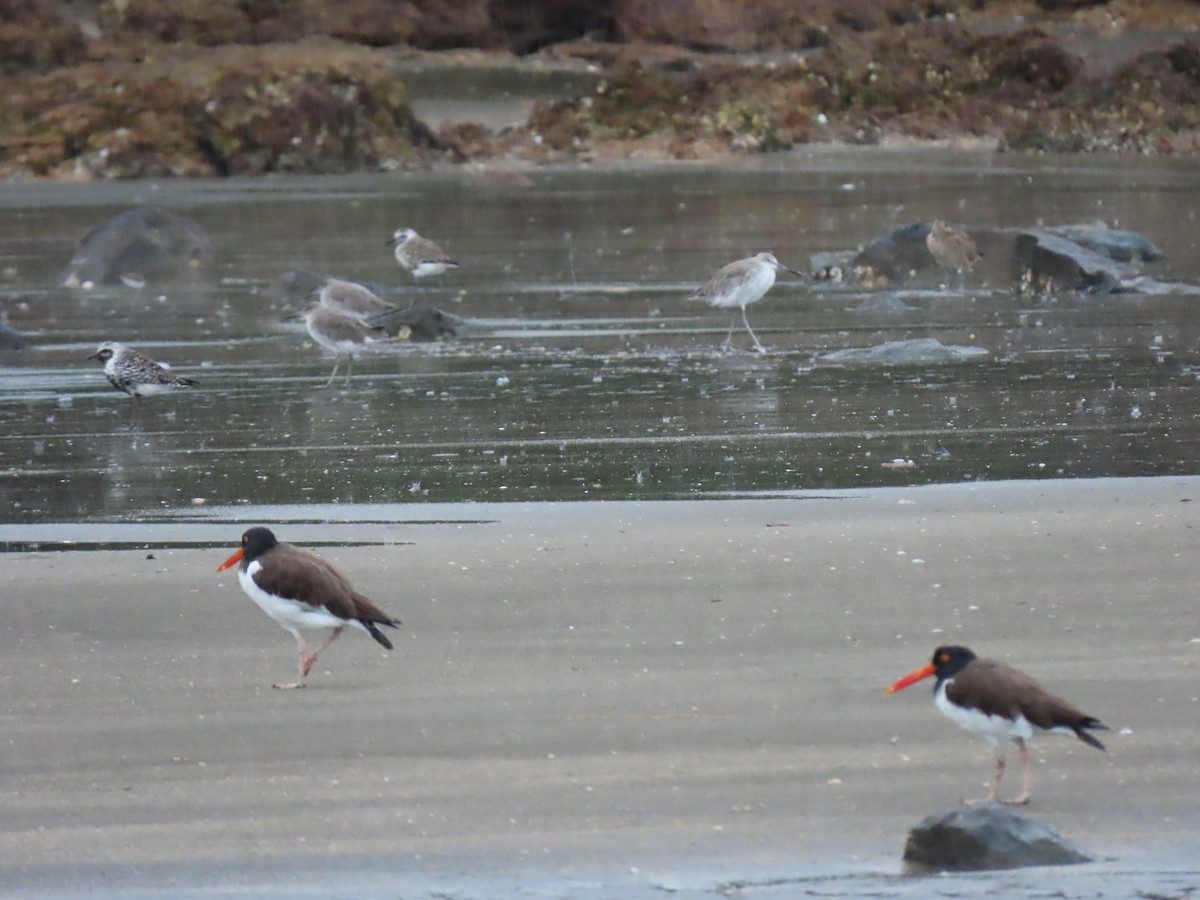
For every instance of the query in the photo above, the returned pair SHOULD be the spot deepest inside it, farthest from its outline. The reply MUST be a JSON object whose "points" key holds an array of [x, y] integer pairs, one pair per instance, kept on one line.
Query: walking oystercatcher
{"points": [[303, 593], [995, 701]]}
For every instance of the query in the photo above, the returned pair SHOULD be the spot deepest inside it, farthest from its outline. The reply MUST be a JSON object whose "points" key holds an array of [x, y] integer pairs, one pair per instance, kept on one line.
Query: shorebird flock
{"points": [[345, 317]]}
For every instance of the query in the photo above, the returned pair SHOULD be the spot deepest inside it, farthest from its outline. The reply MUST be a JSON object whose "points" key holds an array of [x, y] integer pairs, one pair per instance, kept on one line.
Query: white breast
{"points": [[992, 729], [290, 614]]}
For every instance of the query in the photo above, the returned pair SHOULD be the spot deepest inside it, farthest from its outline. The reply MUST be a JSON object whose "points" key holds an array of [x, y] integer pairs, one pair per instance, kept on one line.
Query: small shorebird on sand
{"points": [[135, 374], [341, 332], [739, 284], [996, 701], [419, 256], [302, 592], [951, 248], [352, 297]]}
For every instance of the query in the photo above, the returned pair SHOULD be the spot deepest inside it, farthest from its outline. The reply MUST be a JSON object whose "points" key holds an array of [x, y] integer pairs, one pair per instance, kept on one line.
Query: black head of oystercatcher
{"points": [[995, 701], [418, 255], [135, 374], [303, 593]]}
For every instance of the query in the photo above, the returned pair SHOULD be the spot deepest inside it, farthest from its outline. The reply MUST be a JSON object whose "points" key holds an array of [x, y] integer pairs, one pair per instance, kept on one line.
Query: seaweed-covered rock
{"points": [[421, 321]]}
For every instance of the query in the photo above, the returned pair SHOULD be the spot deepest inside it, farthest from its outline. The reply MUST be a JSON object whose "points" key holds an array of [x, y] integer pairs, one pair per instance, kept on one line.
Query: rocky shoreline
{"points": [[138, 89]]}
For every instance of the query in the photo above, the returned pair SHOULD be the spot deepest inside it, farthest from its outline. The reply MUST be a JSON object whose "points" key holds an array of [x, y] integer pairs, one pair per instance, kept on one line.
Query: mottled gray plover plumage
{"points": [[739, 284], [134, 373], [420, 256]]}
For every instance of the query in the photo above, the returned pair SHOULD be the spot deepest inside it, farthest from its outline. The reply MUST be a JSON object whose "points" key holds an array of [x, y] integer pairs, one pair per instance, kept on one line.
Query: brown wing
{"points": [[720, 283], [998, 689], [421, 250]]}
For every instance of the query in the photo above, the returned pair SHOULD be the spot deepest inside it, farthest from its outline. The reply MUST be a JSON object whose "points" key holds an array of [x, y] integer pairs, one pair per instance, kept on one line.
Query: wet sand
{"points": [[605, 700]]}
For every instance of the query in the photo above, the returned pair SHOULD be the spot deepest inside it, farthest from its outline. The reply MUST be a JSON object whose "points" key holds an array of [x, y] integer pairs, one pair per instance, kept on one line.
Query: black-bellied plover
{"points": [[739, 284], [134, 373], [419, 256], [303, 593]]}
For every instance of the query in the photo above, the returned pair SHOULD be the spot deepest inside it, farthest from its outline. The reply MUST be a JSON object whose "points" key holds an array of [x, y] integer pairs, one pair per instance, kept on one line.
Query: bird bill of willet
{"points": [[419, 256], [342, 333], [739, 284]]}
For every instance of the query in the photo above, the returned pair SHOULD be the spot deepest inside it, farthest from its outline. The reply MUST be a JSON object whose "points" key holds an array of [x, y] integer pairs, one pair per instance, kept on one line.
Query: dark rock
{"points": [[1050, 263], [146, 245], [921, 351], [9, 339], [1122, 246], [896, 255], [986, 836], [421, 321]]}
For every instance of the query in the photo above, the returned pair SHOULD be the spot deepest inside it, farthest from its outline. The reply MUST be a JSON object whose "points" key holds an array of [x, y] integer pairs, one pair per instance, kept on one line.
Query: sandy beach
{"points": [[602, 699]]}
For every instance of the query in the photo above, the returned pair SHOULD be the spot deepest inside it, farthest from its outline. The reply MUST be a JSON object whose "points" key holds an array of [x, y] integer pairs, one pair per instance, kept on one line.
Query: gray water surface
{"points": [[589, 374]]}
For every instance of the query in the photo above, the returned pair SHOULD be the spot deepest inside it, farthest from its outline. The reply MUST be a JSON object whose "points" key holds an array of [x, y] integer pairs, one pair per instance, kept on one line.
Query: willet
{"points": [[343, 333], [419, 256], [351, 297], [134, 374], [739, 284], [951, 248]]}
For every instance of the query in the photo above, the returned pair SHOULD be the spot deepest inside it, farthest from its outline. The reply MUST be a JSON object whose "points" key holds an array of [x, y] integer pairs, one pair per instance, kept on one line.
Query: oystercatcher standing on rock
{"points": [[995, 701]]}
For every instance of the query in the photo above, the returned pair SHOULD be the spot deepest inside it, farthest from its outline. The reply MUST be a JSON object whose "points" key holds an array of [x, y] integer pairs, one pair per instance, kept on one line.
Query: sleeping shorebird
{"points": [[135, 374], [739, 284], [419, 256], [352, 297], [303, 593], [952, 248], [343, 333], [995, 701]]}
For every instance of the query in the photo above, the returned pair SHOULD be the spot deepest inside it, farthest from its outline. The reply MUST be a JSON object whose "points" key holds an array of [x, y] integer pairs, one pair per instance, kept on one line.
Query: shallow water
{"points": [[589, 375]]}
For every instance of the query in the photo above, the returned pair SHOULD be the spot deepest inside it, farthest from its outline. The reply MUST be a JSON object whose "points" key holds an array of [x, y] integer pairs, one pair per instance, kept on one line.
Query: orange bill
{"points": [[912, 678], [232, 561]]}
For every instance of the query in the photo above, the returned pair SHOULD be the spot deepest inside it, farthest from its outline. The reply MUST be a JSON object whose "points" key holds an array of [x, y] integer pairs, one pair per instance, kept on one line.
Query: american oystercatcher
{"points": [[303, 593], [737, 285], [419, 256], [135, 374], [996, 701]]}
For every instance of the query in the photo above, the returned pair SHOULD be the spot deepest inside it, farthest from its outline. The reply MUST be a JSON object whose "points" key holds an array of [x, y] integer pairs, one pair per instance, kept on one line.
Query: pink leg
{"points": [[307, 660], [993, 794], [1027, 778]]}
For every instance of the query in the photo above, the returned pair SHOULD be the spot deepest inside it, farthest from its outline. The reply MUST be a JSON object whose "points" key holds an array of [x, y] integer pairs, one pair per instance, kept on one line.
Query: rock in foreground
{"points": [[986, 836]]}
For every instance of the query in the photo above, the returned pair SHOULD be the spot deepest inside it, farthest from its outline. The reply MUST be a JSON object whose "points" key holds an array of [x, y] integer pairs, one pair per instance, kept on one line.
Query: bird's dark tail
{"points": [[393, 623], [1089, 722]]}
